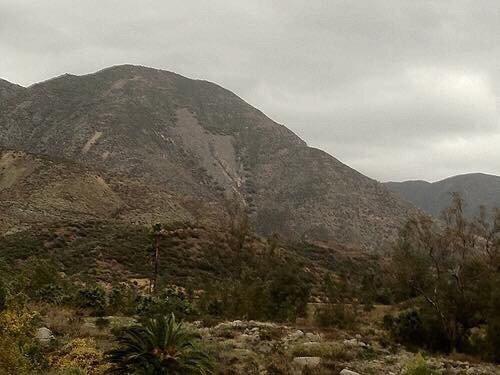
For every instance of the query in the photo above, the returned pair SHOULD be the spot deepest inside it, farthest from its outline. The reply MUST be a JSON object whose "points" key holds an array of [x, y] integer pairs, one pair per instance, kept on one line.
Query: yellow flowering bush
{"points": [[17, 327], [12, 360], [80, 353], [18, 323]]}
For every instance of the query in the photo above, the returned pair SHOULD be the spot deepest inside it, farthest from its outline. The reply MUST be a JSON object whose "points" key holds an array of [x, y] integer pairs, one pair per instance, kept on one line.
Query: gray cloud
{"points": [[397, 89]]}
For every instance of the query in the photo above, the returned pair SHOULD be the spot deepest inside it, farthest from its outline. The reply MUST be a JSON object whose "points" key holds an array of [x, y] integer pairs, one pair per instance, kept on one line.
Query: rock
{"points": [[204, 332], [265, 348], [255, 323], [348, 372], [252, 331], [247, 338], [351, 342], [300, 363], [314, 337], [44, 335], [237, 324], [295, 335], [355, 342]]}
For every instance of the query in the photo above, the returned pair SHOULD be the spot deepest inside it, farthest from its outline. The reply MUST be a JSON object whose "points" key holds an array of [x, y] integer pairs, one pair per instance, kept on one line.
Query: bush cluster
{"points": [[274, 292], [449, 275]]}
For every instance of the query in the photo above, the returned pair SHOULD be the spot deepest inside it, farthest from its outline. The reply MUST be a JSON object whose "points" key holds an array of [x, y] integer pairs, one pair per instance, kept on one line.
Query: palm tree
{"points": [[160, 346]]}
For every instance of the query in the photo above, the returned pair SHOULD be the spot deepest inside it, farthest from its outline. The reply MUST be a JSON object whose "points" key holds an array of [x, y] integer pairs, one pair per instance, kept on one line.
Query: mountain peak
{"points": [[182, 147]]}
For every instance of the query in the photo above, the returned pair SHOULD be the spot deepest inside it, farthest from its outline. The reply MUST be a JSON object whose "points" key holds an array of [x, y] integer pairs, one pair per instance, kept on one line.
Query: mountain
{"points": [[477, 189], [141, 144], [8, 90]]}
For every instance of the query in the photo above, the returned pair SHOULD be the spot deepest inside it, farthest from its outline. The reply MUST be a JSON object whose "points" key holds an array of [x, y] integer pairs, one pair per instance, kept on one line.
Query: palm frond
{"points": [[159, 346]]}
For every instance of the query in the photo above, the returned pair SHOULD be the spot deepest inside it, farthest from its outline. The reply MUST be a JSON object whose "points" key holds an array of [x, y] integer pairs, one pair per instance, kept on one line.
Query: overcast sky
{"points": [[396, 89]]}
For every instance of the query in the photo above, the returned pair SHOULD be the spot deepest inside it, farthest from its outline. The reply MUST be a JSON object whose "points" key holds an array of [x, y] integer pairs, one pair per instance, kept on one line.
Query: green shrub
{"points": [[51, 293], [122, 299], [102, 323], [289, 292], [407, 327], [336, 315], [417, 328], [418, 366], [268, 291], [40, 279], [167, 302], [92, 298]]}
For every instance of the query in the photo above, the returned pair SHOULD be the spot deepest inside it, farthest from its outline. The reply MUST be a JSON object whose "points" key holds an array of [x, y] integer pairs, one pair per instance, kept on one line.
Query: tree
{"points": [[160, 346], [155, 255], [238, 223], [493, 328], [450, 267], [289, 290]]}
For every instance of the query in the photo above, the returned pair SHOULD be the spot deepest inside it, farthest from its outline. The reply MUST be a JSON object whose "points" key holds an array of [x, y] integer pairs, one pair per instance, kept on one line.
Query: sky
{"points": [[397, 89]]}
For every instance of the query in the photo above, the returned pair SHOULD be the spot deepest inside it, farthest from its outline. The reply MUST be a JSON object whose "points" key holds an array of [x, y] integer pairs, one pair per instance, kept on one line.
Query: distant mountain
{"points": [[477, 189], [153, 145]]}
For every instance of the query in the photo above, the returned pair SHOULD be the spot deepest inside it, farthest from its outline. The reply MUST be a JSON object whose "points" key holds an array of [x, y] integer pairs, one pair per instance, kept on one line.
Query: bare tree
{"points": [[157, 233]]}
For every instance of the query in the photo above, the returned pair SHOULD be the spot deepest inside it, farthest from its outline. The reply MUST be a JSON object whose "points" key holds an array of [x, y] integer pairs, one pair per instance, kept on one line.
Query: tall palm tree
{"points": [[160, 346]]}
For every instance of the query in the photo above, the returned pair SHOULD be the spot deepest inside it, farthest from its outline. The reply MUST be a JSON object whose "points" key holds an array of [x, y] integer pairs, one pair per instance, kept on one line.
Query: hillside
{"points": [[36, 190], [8, 90], [148, 139], [477, 189]]}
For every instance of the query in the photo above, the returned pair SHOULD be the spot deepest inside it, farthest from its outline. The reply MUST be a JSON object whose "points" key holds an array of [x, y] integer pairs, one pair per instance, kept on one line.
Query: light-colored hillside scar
{"points": [[119, 84], [91, 142], [13, 168], [86, 193], [215, 152]]}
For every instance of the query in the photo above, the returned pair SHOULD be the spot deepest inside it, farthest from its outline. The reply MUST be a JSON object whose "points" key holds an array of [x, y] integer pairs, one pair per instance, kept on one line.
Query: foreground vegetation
{"points": [[449, 277], [113, 300]]}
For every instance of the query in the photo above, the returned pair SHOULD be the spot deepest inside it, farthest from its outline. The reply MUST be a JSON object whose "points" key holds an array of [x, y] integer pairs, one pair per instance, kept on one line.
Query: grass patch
{"points": [[329, 351]]}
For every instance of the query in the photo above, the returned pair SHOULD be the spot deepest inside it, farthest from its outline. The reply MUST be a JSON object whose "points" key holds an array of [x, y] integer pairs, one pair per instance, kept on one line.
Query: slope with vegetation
{"points": [[106, 289], [191, 143]]}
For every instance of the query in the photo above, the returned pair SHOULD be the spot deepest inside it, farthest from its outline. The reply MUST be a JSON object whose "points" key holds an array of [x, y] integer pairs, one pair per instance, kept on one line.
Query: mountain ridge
{"points": [[204, 144], [477, 189], [8, 89]]}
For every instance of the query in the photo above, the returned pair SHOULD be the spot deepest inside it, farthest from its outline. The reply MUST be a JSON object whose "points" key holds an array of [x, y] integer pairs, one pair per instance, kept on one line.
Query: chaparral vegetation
{"points": [[96, 298]]}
